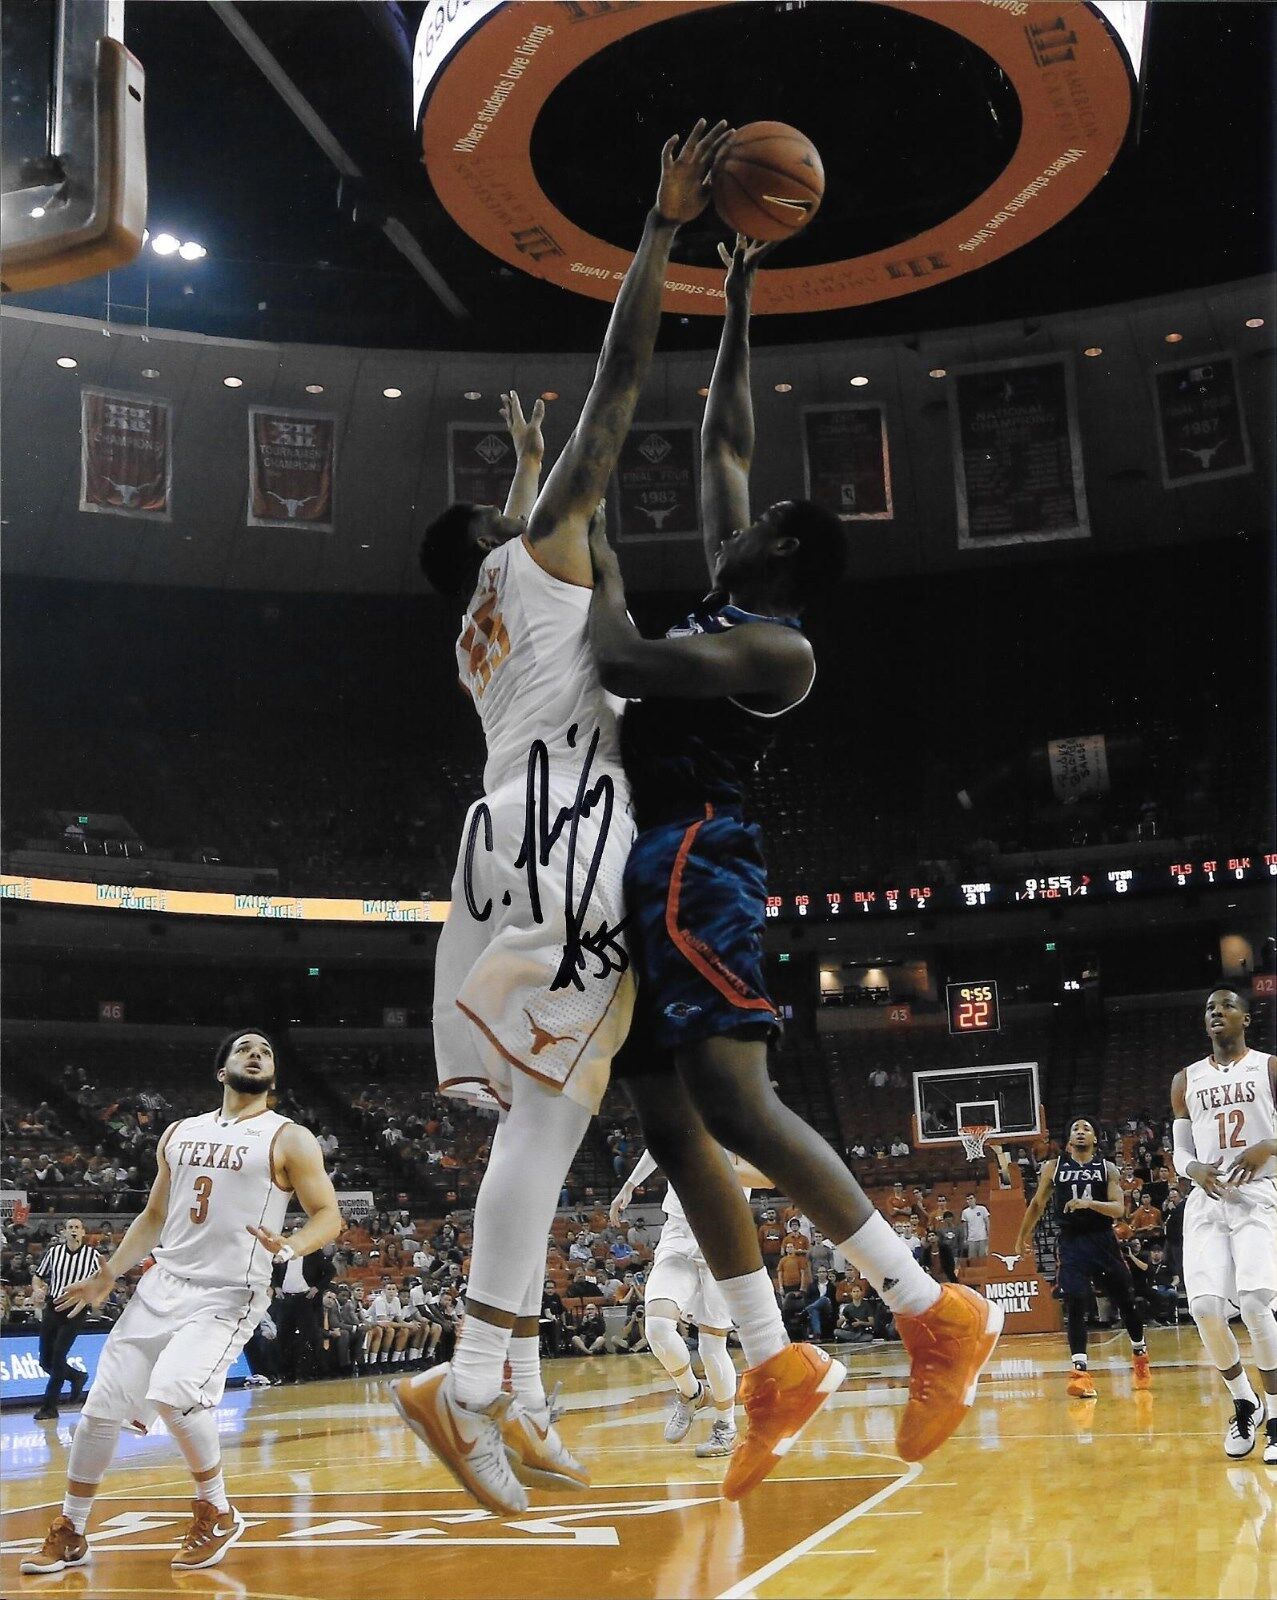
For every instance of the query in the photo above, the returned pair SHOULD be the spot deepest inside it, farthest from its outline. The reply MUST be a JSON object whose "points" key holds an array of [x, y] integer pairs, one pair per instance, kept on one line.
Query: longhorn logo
{"points": [[1007, 1261], [542, 1039]]}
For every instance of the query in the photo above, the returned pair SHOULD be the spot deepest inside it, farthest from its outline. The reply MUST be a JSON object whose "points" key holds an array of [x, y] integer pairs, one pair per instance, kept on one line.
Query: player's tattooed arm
{"points": [[1036, 1206], [529, 452], [140, 1238], [300, 1167]]}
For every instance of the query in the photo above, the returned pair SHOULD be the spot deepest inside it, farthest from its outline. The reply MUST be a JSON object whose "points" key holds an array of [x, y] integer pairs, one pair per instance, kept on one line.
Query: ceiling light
{"points": [[549, 394], [392, 394], [164, 244], [67, 361], [365, 547], [150, 372], [1093, 350], [191, 251], [37, 211], [233, 383], [314, 388], [1174, 338], [860, 381], [473, 394], [938, 372], [784, 388], [1251, 322]]}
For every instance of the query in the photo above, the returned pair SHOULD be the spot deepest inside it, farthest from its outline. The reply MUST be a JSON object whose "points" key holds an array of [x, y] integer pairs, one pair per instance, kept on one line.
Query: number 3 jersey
{"points": [[1231, 1107], [221, 1183]]}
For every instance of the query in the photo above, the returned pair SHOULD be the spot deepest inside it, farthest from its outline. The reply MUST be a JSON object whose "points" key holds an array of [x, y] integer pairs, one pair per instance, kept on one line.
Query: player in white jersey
{"points": [[681, 1286], [212, 1223], [533, 989], [1226, 1143]]}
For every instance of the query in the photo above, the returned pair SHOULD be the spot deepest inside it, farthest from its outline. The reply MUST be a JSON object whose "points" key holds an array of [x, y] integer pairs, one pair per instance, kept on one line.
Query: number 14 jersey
{"points": [[1231, 1107]]}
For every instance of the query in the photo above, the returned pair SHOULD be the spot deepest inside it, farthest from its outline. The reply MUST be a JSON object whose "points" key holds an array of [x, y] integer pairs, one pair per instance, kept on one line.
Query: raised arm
{"points": [[727, 433], [558, 527], [529, 451]]}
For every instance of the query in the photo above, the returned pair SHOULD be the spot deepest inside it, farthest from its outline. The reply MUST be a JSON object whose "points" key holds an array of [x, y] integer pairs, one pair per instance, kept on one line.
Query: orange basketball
{"points": [[769, 181]]}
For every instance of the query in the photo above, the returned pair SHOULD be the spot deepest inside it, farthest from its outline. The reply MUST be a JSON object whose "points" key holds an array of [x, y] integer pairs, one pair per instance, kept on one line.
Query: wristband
{"points": [[1183, 1147], [284, 1254]]}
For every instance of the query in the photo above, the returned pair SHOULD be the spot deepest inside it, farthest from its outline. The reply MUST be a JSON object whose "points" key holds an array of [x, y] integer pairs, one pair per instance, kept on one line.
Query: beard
{"points": [[242, 1083]]}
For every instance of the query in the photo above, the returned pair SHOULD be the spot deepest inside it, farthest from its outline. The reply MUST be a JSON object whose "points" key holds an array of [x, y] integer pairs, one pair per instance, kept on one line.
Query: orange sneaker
{"points": [[780, 1396], [536, 1453], [1080, 1385], [1143, 1376], [209, 1537], [949, 1346], [62, 1547]]}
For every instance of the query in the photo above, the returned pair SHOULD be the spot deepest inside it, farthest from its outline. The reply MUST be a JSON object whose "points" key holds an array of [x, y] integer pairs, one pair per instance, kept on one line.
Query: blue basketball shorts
{"points": [[1092, 1258]]}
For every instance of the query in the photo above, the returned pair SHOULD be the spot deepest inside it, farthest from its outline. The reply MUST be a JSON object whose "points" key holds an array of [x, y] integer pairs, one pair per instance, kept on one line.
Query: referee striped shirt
{"points": [[60, 1268]]}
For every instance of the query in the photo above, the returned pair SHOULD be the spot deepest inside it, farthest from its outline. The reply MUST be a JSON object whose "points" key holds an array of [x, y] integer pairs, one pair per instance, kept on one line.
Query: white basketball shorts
{"points": [[1230, 1245], [173, 1345], [679, 1273], [533, 972]]}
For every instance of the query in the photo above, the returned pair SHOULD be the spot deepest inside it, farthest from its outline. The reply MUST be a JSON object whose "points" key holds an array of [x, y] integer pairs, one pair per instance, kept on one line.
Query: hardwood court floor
{"points": [[1129, 1495]]}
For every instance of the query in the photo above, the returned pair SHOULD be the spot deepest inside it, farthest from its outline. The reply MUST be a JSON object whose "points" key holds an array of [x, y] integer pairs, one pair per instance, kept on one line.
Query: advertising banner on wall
{"points": [[23, 1378], [846, 464], [655, 493], [480, 464], [126, 456], [292, 458], [1016, 452], [1201, 428]]}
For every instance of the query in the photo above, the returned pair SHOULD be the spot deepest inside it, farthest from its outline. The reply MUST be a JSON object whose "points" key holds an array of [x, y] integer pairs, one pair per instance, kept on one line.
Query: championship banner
{"points": [[1201, 430], [846, 463], [655, 495], [480, 464], [1079, 766], [126, 457], [355, 1205], [291, 465], [1016, 452]]}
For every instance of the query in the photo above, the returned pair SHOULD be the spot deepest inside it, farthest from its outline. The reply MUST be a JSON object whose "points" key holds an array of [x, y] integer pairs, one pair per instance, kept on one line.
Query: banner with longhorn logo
{"points": [[126, 457], [292, 459], [656, 495]]}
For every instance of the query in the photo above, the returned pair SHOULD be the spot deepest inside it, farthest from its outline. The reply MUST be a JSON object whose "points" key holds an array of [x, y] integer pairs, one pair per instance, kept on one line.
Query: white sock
{"points": [[525, 1371], [1080, 1363], [397, 1355], [1270, 1406], [478, 1362], [752, 1303], [214, 1491], [76, 1510], [672, 1353], [1240, 1387], [886, 1260]]}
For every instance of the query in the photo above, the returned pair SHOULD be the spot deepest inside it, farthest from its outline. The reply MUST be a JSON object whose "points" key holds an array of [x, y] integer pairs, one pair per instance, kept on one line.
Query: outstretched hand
{"points": [[742, 265], [685, 178], [87, 1295], [525, 432], [602, 556]]}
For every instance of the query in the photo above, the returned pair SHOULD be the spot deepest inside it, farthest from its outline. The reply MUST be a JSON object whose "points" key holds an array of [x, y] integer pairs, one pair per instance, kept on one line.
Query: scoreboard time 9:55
{"points": [[973, 1007]]}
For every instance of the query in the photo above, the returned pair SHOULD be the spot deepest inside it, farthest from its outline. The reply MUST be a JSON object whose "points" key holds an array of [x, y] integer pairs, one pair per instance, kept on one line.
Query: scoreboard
{"points": [[1101, 882], [973, 1007]]}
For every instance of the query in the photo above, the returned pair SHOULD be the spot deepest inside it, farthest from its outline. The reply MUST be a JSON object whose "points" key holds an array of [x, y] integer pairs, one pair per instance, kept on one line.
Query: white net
{"points": [[973, 1138]]}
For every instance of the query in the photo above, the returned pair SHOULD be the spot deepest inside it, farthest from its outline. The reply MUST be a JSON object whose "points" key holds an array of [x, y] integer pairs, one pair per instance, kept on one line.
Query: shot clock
{"points": [[973, 1007]]}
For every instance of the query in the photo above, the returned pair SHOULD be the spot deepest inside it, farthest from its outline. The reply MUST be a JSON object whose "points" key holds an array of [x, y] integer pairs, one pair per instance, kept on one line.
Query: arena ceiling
{"points": [[297, 251]]}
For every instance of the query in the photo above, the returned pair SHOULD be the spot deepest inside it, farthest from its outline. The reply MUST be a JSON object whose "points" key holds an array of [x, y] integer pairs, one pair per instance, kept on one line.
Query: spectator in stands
{"points": [[1146, 1218], [621, 1252], [820, 1305], [938, 1259], [975, 1221], [858, 1150], [918, 1206], [792, 1272], [855, 1322], [327, 1141], [879, 1150], [586, 1285], [796, 1234], [298, 1314], [793, 1312], [770, 1238], [878, 1078], [949, 1234], [262, 1350], [554, 1321], [1158, 1186], [581, 1249], [588, 1332], [820, 1253], [898, 1206], [899, 1146], [346, 1332], [1158, 1289], [633, 1336]]}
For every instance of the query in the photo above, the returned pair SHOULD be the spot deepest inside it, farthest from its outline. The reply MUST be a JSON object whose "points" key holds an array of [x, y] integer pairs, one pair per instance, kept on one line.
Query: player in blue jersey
{"points": [[705, 701]]}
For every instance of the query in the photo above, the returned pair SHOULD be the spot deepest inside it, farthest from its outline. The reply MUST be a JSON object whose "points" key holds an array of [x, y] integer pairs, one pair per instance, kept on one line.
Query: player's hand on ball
{"points": [[1205, 1174], [1250, 1164], [742, 265], [685, 177], [525, 432], [86, 1296]]}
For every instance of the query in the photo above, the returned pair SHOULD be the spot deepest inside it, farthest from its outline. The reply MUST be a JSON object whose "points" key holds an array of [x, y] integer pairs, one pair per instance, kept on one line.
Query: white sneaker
{"points": [[537, 1454], [467, 1441], [1243, 1430], [679, 1421], [721, 1441], [1270, 1449]]}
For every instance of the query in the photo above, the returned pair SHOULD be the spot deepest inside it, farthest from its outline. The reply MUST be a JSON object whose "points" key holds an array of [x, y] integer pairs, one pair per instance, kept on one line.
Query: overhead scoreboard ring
{"points": [[485, 73]]}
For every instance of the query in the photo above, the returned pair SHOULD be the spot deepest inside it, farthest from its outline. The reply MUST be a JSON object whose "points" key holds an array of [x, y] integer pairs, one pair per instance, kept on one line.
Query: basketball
{"points": [[769, 182]]}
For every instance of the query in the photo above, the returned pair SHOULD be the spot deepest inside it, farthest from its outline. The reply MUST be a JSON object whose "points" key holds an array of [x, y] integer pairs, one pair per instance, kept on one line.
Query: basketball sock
{"points": [[76, 1510], [1241, 1387], [1139, 1347], [886, 1260], [1080, 1362], [525, 1372], [720, 1374], [751, 1299], [1270, 1406], [214, 1491], [478, 1361], [669, 1349]]}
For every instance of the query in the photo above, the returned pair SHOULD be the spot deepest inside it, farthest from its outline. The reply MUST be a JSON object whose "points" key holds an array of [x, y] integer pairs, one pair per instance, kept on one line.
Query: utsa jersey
{"points": [[1080, 1180], [682, 754], [221, 1181], [1231, 1107], [524, 656]]}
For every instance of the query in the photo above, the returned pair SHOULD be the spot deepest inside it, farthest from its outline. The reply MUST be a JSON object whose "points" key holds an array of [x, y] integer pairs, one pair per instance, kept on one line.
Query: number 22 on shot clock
{"points": [[973, 1007]]}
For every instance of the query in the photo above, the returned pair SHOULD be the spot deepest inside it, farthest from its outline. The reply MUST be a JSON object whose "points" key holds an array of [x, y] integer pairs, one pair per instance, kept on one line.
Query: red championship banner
{"points": [[292, 457], [126, 457]]}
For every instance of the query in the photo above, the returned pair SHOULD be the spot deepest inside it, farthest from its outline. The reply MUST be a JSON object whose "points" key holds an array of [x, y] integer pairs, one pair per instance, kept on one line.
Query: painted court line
{"points": [[746, 1586]]}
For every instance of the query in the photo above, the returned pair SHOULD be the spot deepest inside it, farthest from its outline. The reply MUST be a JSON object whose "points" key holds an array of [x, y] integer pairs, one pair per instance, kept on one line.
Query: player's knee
{"points": [[1208, 1311]]}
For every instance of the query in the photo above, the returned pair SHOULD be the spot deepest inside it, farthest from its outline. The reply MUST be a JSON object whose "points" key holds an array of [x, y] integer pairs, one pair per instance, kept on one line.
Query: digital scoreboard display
{"points": [[973, 1007]]}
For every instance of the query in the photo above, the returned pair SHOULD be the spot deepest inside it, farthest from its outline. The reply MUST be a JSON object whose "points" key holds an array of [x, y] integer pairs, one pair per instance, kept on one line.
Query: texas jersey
{"points": [[1230, 1105], [221, 1182], [524, 655]]}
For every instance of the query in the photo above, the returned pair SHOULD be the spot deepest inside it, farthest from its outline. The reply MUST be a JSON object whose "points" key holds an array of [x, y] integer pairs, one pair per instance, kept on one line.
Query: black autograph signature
{"points": [[541, 833]]}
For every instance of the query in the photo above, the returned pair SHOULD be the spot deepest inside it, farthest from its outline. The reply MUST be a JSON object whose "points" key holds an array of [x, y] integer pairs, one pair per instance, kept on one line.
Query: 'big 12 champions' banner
{"points": [[1201, 426], [291, 464], [656, 483], [1017, 456], [126, 456], [845, 461]]}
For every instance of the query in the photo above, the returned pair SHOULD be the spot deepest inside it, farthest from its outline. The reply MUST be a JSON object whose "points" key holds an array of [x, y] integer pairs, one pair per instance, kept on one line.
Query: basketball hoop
{"points": [[973, 1137]]}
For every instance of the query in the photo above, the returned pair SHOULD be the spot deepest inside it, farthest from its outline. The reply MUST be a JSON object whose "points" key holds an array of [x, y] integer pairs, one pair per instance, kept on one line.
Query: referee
{"points": [[60, 1266]]}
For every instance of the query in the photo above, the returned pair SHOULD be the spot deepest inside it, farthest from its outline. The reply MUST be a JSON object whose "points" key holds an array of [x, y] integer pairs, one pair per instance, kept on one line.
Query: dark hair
{"points": [[1230, 988], [448, 556], [1081, 1116], [223, 1050], [817, 564]]}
